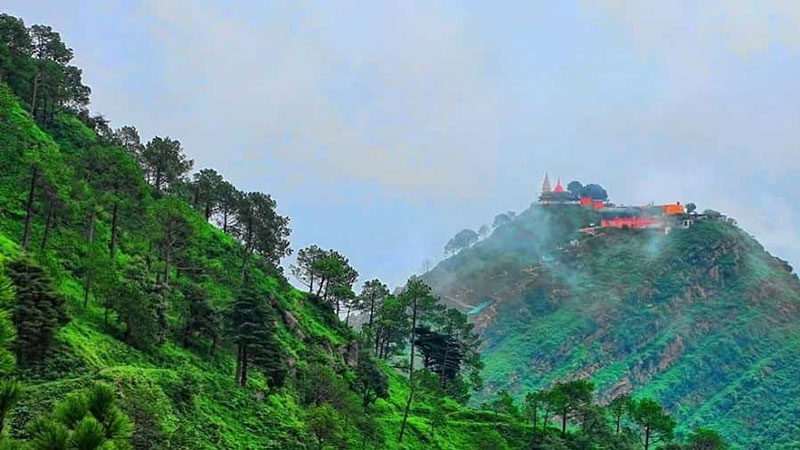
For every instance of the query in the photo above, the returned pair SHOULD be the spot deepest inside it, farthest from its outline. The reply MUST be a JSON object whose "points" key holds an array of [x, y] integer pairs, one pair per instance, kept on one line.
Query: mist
{"points": [[384, 130]]}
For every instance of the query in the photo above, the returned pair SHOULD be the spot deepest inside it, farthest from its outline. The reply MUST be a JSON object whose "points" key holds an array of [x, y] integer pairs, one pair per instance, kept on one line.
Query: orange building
{"points": [[631, 222], [673, 209], [589, 202]]}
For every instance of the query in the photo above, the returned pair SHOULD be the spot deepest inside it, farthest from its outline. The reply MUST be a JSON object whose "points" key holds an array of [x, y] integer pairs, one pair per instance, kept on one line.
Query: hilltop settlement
{"points": [[659, 217]]}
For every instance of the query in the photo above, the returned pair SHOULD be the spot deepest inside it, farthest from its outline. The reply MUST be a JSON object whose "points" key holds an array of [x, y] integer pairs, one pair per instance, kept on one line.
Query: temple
{"points": [[557, 194], [592, 196]]}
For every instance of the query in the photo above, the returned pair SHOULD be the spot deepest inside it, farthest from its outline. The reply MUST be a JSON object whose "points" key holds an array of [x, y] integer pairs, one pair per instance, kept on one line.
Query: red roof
{"points": [[558, 187]]}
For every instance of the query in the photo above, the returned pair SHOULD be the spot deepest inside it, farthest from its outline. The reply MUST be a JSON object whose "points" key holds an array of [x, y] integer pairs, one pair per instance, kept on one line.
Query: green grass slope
{"points": [[185, 398], [702, 319]]}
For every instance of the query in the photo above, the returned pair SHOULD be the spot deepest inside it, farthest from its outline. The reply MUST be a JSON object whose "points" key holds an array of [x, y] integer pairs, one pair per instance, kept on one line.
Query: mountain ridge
{"points": [[684, 316]]}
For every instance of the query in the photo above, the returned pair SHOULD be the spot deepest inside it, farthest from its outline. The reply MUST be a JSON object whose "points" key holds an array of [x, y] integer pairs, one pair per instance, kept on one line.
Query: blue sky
{"points": [[383, 128]]}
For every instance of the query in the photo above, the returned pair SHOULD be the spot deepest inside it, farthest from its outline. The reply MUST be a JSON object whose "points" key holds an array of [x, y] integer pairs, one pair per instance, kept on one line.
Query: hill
{"points": [[703, 319], [181, 395], [143, 305]]}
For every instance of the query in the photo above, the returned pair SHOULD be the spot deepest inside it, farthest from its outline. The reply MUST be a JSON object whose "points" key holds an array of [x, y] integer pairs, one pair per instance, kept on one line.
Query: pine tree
{"points": [[208, 186], [420, 301], [252, 329], [138, 308], [201, 316], [261, 230], [7, 332], [84, 420], [372, 296], [38, 312], [10, 393]]}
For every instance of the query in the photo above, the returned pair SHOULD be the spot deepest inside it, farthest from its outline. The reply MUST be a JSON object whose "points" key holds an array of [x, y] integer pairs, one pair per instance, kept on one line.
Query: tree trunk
{"points": [[248, 247], [29, 210], [159, 258], [647, 437], [186, 332], [378, 340], [87, 287], [365, 398], [48, 224], [619, 418], [544, 420], [90, 230], [244, 264], [114, 231], [168, 252], [128, 332], [225, 220], [410, 371], [371, 311], [49, 108], [442, 379], [208, 211], [90, 239], [564, 423], [167, 258], [347, 318], [244, 365], [35, 92], [239, 364], [196, 198]]}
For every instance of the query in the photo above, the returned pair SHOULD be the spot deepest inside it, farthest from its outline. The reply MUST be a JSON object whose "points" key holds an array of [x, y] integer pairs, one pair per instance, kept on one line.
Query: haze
{"points": [[383, 128]]}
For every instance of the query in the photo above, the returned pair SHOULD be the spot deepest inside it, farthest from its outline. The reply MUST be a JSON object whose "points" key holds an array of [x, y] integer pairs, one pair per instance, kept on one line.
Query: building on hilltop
{"points": [[672, 209], [659, 217], [589, 202], [555, 195], [546, 184]]}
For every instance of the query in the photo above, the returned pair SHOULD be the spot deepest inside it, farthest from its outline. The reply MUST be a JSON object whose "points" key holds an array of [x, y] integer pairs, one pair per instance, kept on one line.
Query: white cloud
{"points": [[392, 95], [376, 124], [743, 26]]}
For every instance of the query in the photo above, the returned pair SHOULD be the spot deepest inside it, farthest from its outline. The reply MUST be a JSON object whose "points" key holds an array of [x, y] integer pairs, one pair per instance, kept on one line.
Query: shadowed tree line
{"points": [[566, 417]]}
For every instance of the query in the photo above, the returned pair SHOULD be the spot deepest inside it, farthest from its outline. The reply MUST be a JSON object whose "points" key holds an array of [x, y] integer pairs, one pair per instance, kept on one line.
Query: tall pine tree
{"points": [[38, 312], [252, 328]]}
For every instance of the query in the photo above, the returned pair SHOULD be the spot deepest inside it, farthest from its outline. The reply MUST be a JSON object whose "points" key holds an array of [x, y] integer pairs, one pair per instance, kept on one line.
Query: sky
{"points": [[383, 128]]}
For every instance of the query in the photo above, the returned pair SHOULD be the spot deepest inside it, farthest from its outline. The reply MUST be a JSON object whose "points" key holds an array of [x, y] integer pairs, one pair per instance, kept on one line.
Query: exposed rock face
{"points": [[349, 354], [292, 324], [683, 317]]}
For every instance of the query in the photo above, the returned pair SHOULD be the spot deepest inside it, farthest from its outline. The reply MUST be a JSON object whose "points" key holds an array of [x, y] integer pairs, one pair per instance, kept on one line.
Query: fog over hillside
{"points": [[401, 124]]}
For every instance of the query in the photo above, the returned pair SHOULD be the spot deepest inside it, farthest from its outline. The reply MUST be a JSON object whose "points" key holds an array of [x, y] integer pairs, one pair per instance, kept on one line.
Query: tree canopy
{"points": [[462, 240]]}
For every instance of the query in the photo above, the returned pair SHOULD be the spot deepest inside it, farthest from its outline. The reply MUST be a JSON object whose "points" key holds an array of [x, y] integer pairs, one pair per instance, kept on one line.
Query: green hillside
{"points": [[143, 305], [703, 319], [181, 397]]}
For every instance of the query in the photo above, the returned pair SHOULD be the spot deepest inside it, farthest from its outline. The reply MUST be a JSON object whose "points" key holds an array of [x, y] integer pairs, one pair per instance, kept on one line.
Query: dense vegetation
{"points": [[142, 308], [702, 319]]}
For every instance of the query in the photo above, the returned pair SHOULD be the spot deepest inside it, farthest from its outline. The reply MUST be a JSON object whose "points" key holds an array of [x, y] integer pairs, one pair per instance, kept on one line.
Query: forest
{"points": [[143, 305]]}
